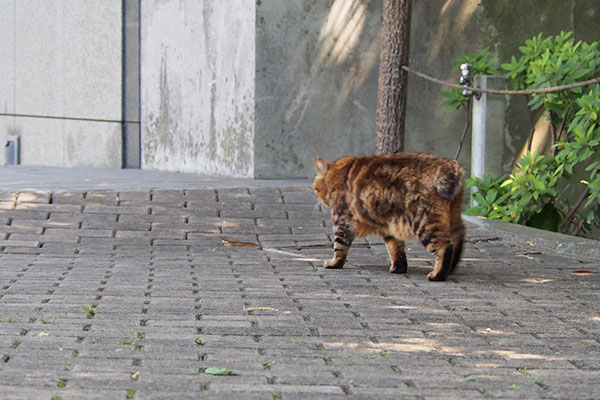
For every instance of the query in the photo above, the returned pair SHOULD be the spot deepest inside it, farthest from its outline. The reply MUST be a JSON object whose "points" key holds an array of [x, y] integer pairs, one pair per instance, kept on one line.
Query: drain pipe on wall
{"points": [[12, 150]]}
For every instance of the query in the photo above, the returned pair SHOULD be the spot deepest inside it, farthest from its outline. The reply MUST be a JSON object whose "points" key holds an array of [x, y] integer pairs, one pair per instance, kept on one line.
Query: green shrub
{"points": [[536, 193]]}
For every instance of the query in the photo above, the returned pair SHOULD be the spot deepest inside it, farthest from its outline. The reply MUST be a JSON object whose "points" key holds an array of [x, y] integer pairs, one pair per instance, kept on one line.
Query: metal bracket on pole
{"points": [[465, 80]]}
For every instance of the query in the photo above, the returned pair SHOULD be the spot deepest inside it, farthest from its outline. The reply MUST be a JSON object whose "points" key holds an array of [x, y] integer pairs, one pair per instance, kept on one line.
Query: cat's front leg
{"points": [[397, 254], [343, 237]]}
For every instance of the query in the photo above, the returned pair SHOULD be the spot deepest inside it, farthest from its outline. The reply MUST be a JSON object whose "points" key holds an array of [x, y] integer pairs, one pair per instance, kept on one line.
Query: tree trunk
{"points": [[391, 97]]}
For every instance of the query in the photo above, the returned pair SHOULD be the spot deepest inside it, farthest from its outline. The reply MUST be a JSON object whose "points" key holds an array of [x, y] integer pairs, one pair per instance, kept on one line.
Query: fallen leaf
{"points": [[259, 309], [218, 371], [582, 272], [236, 243], [135, 376]]}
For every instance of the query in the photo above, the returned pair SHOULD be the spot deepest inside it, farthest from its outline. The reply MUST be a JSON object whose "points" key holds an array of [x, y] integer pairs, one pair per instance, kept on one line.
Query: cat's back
{"points": [[405, 166], [394, 178]]}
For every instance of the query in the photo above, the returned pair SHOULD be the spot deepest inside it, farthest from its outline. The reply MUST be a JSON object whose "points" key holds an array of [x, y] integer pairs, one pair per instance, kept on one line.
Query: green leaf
{"points": [[454, 98], [491, 196], [594, 165], [477, 210], [218, 371], [569, 168], [480, 199], [590, 200], [502, 199], [526, 199], [540, 185]]}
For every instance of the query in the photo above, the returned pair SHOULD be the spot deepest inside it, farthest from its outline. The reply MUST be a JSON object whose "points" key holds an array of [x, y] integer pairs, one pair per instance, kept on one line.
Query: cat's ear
{"points": [[321, 166]]}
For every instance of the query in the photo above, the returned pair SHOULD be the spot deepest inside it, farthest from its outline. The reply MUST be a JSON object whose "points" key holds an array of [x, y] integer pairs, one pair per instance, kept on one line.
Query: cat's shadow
{"points": [[420, 263], [370, 255]]}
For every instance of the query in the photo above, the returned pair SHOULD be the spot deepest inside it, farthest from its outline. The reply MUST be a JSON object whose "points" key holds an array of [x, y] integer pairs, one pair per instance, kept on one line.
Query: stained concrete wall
{"points": [[254, 88], [62, 58], [316, 82], [317, 65], [198, 86]]}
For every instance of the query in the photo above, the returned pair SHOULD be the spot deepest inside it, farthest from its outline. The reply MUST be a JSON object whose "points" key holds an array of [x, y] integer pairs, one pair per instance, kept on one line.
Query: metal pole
{"points": [[478, 131]]}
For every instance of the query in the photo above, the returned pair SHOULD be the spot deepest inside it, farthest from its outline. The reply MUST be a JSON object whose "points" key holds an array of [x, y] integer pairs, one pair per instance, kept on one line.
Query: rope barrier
{"points": [[404, 67], [500, 91], [68, 118]]}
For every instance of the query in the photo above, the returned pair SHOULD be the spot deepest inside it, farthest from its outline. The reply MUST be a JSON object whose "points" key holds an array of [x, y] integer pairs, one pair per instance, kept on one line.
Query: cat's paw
{"points": [[399, 266], [436, 277], [334, 264]]}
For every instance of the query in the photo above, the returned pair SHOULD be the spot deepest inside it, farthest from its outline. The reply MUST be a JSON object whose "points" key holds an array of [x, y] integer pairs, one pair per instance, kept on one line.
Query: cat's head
{"points": [[320, 183], [330, 181]]}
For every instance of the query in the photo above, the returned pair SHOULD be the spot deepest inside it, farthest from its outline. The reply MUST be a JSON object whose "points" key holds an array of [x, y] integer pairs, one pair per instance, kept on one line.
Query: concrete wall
{"points": [[256, 88], [316, 83], [317, 65], [246, 87], [62, 58], [198, 86]]}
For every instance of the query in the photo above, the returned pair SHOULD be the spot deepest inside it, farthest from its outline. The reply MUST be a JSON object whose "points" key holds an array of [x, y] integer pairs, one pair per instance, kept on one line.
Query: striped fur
{"points": [[397, 196]]}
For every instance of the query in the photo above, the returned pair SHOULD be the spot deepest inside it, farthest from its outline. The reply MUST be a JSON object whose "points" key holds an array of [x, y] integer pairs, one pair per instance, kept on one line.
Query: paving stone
{"points": [[34, 197], [170, 300], [24, 214], [101, 197], [68, 197]]}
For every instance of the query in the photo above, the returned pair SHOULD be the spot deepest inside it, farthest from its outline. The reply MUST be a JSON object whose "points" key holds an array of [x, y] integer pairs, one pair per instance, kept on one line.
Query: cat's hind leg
{"points": [[397, 254], [458, 239], [436, 239], [457, 232], [443, 263]]}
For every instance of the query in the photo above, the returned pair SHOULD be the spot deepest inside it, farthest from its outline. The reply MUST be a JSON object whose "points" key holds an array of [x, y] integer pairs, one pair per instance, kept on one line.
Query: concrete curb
{"points": [[551, 241], [27, 178]]}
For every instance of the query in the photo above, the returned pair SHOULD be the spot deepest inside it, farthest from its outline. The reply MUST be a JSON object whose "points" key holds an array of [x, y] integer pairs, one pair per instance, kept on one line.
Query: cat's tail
{"points": [[450, 182]]}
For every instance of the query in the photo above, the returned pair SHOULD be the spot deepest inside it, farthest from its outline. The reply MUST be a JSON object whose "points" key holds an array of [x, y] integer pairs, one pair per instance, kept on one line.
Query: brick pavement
{"points": [[134, 294]]}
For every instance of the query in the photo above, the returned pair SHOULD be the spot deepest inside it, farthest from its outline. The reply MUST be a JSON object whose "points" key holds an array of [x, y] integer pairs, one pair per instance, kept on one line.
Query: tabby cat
{"points": [[397, 196]]}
